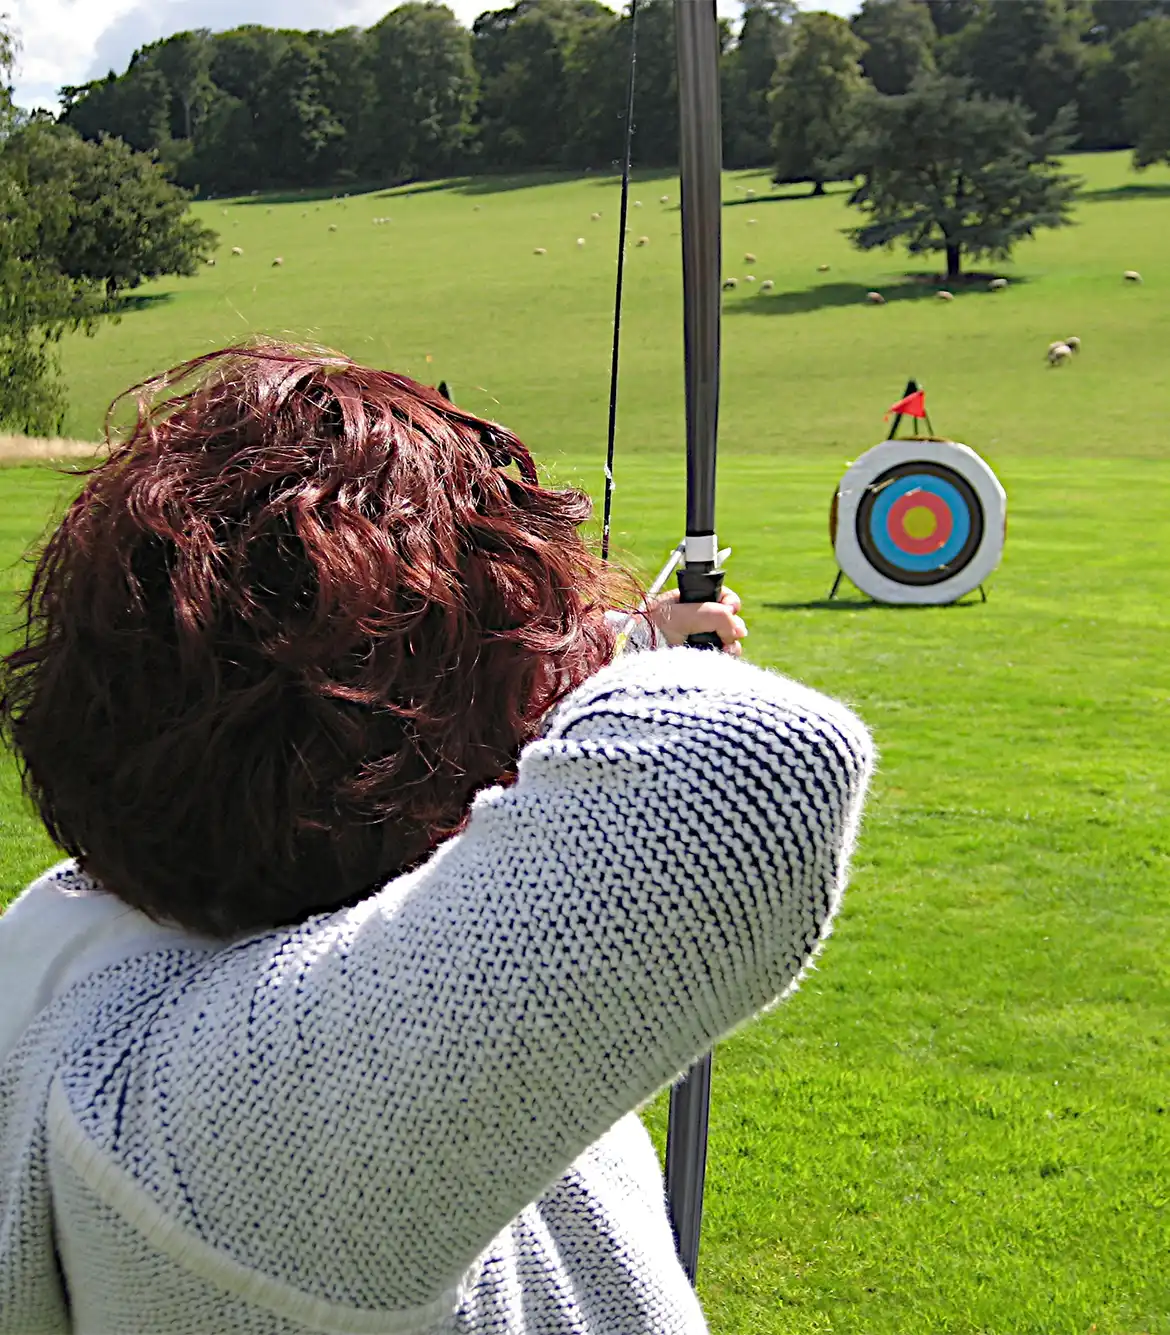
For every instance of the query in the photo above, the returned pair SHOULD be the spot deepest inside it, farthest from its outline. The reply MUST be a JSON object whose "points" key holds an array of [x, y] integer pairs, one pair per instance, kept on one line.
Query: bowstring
{"points": [[607, 510]]}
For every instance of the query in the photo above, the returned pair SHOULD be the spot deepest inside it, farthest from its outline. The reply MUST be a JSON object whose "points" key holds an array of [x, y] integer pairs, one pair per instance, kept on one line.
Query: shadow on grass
{"points": [[782, 199], [864, 605], [140, 301], [1136, 191], [918, 287]]}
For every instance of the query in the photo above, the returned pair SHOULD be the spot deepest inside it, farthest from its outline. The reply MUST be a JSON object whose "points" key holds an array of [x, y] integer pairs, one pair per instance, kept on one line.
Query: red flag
{"points": [[913, 405]]}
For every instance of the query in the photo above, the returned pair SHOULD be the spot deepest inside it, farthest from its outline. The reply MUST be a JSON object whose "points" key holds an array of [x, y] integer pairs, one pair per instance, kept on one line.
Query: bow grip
{"points": [[698, 584]]}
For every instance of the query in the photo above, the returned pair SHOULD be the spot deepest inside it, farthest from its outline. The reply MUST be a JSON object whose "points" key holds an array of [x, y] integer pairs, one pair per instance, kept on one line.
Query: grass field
{"points": [[962, 1121]]}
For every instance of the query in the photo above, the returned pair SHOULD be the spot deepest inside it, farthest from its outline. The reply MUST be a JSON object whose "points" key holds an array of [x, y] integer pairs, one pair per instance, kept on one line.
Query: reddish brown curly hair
{"points": [[286, 631]]}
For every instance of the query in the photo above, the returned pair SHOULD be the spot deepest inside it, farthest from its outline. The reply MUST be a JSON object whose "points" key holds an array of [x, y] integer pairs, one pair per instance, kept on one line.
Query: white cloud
{"points": [[70, 41]]}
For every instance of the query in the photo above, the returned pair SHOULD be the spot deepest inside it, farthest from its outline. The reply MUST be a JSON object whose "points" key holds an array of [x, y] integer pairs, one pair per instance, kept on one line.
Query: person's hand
{"points": [[675, 620]]}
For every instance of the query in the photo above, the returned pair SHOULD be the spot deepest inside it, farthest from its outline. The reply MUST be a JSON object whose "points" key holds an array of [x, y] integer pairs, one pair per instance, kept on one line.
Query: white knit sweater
{"points": [[415, 1115]]}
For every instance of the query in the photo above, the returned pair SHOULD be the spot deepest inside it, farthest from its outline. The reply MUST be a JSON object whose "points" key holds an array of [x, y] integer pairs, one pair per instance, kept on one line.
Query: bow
{"points": [[699, 579]]}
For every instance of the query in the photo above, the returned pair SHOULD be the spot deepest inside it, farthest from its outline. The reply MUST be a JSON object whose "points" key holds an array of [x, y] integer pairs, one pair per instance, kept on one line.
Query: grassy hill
{"points": [[962, 1121]]}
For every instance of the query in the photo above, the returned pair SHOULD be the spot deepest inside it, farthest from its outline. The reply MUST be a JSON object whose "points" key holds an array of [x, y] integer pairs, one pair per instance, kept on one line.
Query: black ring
{"points": [[919, 577]]}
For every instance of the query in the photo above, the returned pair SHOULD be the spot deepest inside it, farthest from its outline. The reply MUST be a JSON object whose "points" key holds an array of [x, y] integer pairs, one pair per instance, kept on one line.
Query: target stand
{"points": [[918, 521]]}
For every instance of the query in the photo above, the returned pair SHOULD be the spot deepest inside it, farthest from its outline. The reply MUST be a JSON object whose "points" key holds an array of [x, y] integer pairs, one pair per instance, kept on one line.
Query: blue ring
{"points": [[960, 522]]}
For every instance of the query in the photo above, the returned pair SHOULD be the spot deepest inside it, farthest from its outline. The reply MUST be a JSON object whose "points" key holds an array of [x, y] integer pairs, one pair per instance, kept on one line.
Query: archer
{"points": [[390, 895]]}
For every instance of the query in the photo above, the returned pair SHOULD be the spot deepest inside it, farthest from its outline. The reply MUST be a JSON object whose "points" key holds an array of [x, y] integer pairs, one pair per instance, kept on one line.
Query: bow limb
{"points": [[700, 579]]}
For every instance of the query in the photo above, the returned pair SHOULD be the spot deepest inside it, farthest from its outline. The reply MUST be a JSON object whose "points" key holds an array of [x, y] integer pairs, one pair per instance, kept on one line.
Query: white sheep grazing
{"points": [[751, 194], [643, 241], [637, 203], [580, 240], [664, 199], [237, 250], [1058, 354], [997, 285], [1074, 343], [333, 227], [749, 278], [822, 268], [752, 221], [875, 298], [728, 284], [1132, 276], [276, 263], [945, 296], [594, 217], [767, 285], [749, 258], [211, 260], [540, 250]]}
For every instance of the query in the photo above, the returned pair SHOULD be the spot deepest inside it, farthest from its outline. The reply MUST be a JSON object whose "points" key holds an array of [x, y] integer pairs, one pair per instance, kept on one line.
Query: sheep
{"points": [[749, 278], [475, 208], [752, 221], [945, 296], [580, 240], [1074, 343], [643, 241], [211, 260], [595, 217], [751, 194], [333, 227], [664, 199], [767, 285], [637, 203], [997, 285], [875, 298], [749, 258], [237, 250], [822, 268], [1132, 276], [540, 250], [276, 263], [1058, 354], [728, 284]]}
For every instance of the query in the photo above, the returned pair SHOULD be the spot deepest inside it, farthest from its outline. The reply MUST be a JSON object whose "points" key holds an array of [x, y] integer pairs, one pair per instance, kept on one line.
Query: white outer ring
{"points": [[872, 464]]}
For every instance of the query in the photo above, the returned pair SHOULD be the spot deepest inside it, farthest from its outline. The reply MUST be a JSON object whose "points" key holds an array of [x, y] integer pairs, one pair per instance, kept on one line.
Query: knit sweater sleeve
{"points": [[362, 1103]]}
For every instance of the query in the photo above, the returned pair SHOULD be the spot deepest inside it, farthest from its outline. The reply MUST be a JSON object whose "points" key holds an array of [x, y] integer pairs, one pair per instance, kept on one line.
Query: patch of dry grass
{"points": [[23, 449]]}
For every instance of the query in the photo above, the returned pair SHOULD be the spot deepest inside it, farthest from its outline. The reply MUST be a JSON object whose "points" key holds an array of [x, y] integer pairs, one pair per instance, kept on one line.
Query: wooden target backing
{"points": [[918, 521]]}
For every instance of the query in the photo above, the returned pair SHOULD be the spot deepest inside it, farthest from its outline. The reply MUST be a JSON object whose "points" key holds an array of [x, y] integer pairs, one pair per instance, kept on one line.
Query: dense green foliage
{"points": [[942, 170], [817, 85], [959, 1125], [79, 222], [541, 84]]}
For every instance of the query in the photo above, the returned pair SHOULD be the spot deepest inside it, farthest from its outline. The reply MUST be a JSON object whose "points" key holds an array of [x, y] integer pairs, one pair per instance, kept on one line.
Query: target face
{"points": [[919, 521]]}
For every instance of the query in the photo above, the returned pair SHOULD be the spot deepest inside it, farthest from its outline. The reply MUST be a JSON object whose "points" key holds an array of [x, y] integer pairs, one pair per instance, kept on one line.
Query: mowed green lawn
{"points": [[962, 1121]]}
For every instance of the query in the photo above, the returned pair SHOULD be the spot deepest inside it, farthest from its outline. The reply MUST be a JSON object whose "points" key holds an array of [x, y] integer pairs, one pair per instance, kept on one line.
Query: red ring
{"points": [[896, 519]]}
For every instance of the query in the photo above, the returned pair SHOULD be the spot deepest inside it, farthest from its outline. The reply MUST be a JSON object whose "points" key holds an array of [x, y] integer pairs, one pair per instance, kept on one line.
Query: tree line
{"points": [[540, 85]]}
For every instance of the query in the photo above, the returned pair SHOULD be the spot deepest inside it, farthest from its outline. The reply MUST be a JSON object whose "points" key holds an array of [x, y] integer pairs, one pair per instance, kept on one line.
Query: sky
{"points": [[72, 41]]}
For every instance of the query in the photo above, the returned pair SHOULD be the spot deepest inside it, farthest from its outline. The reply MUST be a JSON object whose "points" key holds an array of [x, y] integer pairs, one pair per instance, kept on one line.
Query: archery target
{"points": [[919, 521]]}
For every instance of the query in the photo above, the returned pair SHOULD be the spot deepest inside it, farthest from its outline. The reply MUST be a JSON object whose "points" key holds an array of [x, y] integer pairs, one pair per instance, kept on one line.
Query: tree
{"points": [[1031, 50], [520, 56], [900, 38], [425, 90], [294, 130], [817, 85], [134, 107], [107, 215], [748, 71], [946, 170], [1149, 107]]}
